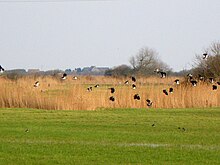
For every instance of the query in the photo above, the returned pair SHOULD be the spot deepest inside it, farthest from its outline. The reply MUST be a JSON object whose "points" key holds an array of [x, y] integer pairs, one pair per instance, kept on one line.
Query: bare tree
{"points": [[146, 61], [210, 66]]}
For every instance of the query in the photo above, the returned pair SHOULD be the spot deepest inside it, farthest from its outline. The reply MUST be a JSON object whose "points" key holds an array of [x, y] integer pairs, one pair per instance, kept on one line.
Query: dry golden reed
{"points": [[70, 94]]}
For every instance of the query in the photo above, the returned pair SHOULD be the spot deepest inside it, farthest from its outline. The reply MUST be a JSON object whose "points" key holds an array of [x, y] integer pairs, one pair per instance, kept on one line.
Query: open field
{"points": [[69, 94], [119, 136]]}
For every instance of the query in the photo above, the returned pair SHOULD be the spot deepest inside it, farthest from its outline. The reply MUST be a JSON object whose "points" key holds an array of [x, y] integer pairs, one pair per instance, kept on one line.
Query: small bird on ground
{"points": [[201, 77]]}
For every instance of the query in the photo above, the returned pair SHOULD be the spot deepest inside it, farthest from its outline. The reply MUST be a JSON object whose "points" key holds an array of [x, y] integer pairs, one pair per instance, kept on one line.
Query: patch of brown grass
{"points": [[54, 93]]}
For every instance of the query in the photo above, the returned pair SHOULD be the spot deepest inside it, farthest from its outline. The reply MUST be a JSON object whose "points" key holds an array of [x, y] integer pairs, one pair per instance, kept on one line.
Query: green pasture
{"points": [[110, 136]]}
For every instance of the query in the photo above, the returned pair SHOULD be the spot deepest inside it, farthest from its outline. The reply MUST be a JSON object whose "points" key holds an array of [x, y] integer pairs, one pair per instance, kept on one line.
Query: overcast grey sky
{"points": [[60, 35]]}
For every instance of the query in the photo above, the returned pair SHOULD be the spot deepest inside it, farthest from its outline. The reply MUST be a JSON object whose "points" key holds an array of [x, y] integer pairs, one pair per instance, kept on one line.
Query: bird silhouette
{"points": [[165, 92], [112, 98], [137, 97]]}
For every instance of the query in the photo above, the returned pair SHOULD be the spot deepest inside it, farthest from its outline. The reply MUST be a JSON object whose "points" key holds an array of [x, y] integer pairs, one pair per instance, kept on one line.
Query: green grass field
{"points": [[128, 136]]}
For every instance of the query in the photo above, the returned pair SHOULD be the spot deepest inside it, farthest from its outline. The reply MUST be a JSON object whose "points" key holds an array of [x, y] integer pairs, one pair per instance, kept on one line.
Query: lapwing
{"points": [[112, 98], [137, 97], [36, 84], [112, 90], [177, 81], [194, 83], [64, 76], [149, 102], [165, 92]]}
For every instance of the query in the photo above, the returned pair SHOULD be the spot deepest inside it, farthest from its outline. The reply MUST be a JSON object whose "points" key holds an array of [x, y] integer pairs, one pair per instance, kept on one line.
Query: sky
{"points": [[62, 34]]}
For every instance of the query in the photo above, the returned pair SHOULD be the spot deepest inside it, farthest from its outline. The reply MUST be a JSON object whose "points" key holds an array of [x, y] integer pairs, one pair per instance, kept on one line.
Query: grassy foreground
{"points": [[129, 136]]}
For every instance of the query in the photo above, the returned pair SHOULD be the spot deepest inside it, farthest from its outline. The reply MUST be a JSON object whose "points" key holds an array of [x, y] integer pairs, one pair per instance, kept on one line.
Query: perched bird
{"points": [[171, 90], [96, 86], [149, 102], [1, 69], [112, 98], [204, 56], [126, 82], [194, 83], [89, 89], [64, 76], [211, 80], [133, 86], [137, 97], [214, 87], [163, 74], [133, 79], [177, 81], [36, 84], [165, 92], [75, 78], [112, 90]]}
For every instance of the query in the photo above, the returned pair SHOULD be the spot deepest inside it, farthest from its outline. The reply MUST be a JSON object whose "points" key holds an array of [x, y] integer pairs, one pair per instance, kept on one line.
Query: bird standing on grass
{"points": [[112, 98], [177, 81], [165, 92]]}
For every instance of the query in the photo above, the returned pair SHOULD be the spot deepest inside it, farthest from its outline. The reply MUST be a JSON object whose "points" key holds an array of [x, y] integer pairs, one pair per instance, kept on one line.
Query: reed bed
{"points": [[54, 93]]}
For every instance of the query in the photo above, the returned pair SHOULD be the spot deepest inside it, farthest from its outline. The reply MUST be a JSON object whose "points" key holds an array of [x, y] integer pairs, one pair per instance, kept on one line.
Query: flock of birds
{"points": [[191, 79]]}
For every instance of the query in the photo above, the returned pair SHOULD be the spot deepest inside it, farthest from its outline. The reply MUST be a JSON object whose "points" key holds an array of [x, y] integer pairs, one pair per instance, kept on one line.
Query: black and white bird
{"points": [[211, 80], [36, 84], [177, 81], [163, 74], [204, 56], [190, 76], [1, 69], [89, 89], [112, 98], [165, 92], [126, 82], [201, 77], [157, 70], [112, 90], [64, 76], [133, 79], [194, 83], [171, 90], [133, 86], [96, 86], [214, 87], [137, 97], [149, 102], [75, 77]]}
